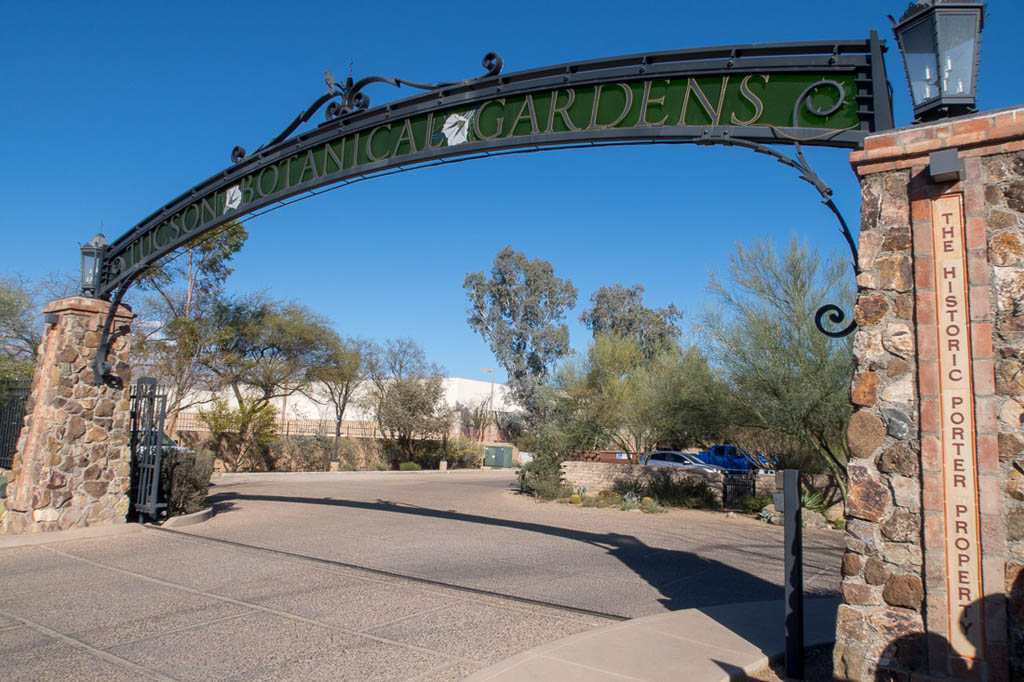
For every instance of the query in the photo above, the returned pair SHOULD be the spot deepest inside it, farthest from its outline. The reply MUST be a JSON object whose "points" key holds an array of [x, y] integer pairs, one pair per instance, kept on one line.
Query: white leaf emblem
{"points": [[233, 199], [456, 128]]}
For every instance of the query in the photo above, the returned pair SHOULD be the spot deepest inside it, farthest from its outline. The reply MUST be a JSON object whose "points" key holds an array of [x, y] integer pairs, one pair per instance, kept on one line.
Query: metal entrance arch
{"points": [[825, 93]]}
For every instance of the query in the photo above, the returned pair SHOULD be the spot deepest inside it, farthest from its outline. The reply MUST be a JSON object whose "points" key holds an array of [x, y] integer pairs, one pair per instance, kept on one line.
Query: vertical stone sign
{"points": [[959, 449], [933, 574]]}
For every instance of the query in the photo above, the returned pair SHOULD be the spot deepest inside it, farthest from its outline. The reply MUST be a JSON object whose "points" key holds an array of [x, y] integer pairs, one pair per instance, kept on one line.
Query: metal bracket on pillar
{"points": [[101, 366], [946, 166]]}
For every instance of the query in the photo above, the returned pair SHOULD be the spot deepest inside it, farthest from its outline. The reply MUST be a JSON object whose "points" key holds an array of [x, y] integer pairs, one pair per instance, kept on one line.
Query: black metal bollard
{"points": [[794, 575]]}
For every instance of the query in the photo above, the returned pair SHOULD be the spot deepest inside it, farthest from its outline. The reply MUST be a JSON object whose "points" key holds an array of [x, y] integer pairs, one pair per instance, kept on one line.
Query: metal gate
{"points": [[12, 417], [736, 487], [148, 408]]}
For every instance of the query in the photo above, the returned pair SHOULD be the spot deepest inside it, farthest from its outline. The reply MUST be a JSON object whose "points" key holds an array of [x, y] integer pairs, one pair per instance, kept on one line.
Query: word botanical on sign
{"points": [[825, 103], [959, 454]]}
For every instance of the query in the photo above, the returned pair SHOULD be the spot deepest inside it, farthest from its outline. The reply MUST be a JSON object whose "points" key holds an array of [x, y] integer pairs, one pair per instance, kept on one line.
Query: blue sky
{"points": [[113, 109]]}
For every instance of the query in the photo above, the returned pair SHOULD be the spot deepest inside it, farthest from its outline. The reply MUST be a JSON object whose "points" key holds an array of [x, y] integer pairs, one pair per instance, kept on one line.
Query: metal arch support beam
{"points": [[101, 365], [851, 72], [820, 93], [835, 313]]}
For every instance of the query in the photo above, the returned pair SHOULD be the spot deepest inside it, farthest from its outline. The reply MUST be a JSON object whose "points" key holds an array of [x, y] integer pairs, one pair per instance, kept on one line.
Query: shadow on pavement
{"points": [[684, 579]]}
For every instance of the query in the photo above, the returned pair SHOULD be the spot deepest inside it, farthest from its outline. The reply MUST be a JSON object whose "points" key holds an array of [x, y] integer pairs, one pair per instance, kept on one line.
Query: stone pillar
{"points": [[935, 512], [72, 464]]}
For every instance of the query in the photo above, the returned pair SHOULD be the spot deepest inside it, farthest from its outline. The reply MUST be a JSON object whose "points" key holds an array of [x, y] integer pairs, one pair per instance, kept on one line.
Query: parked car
{"points": [[672, 458]]}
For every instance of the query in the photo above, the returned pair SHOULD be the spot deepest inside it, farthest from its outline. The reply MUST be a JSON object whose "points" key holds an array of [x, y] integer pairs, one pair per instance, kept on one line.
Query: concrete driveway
{"points": [[370, 576]]}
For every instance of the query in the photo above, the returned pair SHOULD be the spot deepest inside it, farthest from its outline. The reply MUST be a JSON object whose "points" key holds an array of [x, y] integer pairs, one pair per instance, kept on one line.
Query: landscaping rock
{"points": [[866, 498], [904, 590], [865, 434], [899, 459]]}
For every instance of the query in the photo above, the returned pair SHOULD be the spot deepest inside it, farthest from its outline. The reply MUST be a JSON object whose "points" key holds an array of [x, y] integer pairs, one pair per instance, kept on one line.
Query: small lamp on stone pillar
{"points": [[940, 41], [92, 260]]}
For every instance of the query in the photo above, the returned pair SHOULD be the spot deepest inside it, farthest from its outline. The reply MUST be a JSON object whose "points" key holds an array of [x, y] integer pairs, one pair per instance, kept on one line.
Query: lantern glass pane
{"points": [[86, 270], [957, 35], [921, 58]]}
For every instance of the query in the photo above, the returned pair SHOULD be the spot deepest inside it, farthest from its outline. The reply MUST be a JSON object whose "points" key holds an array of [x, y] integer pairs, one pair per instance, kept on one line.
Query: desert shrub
{"points": [[670, 491], [348, 454], [462, 453], [185, 479], [649, 506], [629, 486], [813, 501], [542, 477], [754, 505], [392, 454], [241, 436], [409, 466], [575, 498], [305, 453], [806, 462]]}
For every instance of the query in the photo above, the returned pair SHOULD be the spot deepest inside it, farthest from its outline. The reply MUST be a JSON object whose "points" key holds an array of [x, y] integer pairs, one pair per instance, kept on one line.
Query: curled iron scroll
{"points": [[805, 99], [835, 316], [349, 97]]}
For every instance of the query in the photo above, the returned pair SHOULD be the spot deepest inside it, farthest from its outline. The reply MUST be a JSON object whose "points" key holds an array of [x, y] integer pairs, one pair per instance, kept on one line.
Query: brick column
{"points": [[935, 513], [72, 464]]}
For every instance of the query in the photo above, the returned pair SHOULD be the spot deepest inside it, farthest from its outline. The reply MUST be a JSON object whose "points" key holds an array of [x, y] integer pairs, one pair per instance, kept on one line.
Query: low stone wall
{"points": [[598, 476]]}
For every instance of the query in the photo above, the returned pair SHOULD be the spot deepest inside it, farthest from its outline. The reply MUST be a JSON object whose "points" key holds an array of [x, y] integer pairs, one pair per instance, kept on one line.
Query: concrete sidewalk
{"points": [[713, 644]]}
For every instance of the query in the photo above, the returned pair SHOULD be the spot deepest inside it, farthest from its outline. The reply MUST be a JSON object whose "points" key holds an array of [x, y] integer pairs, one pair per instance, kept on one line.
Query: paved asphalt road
{"points": [[371, 576]]}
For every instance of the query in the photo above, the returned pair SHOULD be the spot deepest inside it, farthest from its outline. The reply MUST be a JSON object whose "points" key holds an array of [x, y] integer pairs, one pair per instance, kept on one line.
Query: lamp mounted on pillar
{"points": [[940, 41], [92, 260]]}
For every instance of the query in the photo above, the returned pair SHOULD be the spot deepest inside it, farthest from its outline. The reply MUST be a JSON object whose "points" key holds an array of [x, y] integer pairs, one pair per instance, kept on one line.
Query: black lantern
{"points": [[940, 41], [92, 260]]}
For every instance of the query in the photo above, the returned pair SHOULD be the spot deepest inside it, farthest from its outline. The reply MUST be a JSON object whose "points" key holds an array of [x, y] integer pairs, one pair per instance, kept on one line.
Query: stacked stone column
{"points": [[894, 621], [72, 465]]}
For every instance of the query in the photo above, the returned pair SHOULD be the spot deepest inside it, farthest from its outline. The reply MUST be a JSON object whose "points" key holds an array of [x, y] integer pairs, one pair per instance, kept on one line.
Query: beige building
{"points": [[310, 413]]}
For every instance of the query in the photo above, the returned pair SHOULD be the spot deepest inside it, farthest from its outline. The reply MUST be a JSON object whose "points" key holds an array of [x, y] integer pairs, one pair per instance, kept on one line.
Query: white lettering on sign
{"points": [[959, 454]]}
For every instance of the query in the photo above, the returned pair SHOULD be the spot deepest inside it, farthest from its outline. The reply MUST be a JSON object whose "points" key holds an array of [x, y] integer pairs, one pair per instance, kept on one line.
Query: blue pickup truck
{"points": [[733, 459]]}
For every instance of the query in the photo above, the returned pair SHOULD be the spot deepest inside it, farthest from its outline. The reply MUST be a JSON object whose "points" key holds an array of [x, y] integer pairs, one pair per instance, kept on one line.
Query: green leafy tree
{"points": [[187, 279], [337, 376], [690, 403], [609, 391], [618, 311], [241, 435], [175, 335], [636, 402], [406, 394], [783, 374], [19, 330], [520, 310], [261, 350]]}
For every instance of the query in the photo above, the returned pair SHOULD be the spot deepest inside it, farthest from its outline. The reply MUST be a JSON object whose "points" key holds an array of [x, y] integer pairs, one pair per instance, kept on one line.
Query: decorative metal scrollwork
{"points": [[835, 316], [350, 97], [835, 313], [805, 99]]}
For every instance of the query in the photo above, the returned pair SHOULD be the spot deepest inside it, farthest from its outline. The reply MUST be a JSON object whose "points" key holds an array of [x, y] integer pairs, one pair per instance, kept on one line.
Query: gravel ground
{"points": [[817, 668]]}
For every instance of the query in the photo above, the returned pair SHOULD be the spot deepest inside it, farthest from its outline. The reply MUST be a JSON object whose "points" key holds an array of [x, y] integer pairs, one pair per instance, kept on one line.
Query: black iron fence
{"points": [[12, 417], [148, 408]]}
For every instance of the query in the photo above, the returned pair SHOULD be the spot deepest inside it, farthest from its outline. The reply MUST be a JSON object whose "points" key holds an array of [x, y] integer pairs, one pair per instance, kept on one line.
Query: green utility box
{"points": [[498, 456]]}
